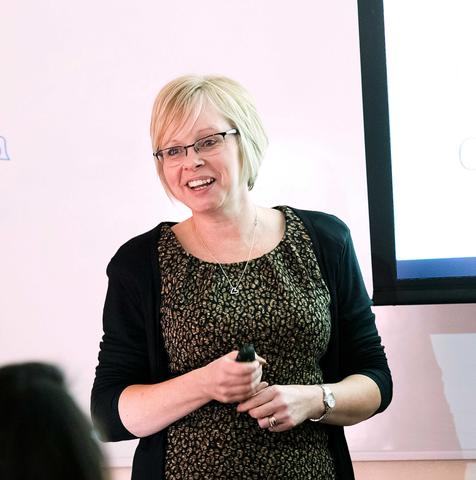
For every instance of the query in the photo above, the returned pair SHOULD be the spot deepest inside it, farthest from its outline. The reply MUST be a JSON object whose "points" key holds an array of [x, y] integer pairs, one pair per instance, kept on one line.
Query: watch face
{"points": [[331, 400]]}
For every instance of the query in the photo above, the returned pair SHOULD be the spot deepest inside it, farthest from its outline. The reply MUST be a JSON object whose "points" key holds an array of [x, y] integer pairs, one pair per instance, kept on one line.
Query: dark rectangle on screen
{"points": [[436, 268]]}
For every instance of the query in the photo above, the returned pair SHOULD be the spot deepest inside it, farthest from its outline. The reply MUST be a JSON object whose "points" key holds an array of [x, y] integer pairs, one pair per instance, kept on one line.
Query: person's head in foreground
{"points": [[43, 434]]}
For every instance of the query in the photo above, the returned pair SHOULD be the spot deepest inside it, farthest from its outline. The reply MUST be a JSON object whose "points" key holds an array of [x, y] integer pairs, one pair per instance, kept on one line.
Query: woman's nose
{"points": [[192, 160]]}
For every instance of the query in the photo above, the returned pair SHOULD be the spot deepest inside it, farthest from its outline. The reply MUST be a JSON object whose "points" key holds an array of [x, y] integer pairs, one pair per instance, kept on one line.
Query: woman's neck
{"points": [[231, 225]]}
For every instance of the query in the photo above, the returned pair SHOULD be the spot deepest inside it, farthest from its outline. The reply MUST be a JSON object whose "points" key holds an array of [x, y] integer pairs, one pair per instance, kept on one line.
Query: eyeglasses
{"points": [[208, 145]]}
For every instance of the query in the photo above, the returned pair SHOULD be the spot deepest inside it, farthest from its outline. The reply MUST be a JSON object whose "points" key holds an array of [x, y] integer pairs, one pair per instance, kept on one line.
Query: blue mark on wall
{"points": [[3, 149]]}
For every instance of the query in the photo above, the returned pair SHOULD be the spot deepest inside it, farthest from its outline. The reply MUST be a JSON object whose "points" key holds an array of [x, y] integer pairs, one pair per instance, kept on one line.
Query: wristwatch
{"points": [[329, 403]]}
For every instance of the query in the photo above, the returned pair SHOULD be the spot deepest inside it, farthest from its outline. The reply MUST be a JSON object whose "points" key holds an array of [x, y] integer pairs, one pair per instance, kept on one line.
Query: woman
{"points": [[43, 434], [184, 297]]}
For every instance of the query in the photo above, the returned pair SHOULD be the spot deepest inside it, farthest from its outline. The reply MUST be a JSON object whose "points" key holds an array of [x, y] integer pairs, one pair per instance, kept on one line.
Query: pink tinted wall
{"points": [[78, 82]]}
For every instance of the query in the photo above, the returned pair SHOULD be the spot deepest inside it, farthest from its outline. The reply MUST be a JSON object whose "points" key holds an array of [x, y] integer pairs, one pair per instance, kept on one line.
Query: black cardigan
{"points": [[132, 349]]}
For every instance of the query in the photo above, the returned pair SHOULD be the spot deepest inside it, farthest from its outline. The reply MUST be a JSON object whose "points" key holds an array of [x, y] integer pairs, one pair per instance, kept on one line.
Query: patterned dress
{"points": [[283, 309]]}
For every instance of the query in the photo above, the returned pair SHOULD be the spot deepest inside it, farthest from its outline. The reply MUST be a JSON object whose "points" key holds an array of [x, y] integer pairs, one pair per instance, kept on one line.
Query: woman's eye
{"points": [[209, 142], [172, 152]]}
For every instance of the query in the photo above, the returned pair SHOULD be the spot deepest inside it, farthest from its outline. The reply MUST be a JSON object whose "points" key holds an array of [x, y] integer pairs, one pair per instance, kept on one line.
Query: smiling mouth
{"points": [[200, 184]]}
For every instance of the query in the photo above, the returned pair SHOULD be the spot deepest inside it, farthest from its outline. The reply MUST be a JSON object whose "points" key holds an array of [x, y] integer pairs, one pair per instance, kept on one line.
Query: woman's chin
{"points": [[203, 200], [202, 204]]}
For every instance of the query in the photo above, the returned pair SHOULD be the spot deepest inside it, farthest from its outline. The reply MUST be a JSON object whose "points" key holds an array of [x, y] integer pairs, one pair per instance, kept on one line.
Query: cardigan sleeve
{"points": [[362, 351], [123, 352]]}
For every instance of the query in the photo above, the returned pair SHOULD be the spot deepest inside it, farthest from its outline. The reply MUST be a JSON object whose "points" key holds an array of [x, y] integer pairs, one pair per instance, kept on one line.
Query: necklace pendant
{"points": [[233, 290]]}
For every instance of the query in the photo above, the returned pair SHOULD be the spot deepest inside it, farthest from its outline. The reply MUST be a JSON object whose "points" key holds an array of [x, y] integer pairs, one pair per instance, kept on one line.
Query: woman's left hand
{"points": [[288, 404]]}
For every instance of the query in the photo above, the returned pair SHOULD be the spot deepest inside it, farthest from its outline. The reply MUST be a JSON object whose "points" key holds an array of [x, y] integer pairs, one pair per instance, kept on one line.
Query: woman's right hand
{"points": [[229, 381]]}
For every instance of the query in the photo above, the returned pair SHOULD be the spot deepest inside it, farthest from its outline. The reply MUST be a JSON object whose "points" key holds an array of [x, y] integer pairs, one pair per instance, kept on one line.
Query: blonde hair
{"points": [[182, 99]]}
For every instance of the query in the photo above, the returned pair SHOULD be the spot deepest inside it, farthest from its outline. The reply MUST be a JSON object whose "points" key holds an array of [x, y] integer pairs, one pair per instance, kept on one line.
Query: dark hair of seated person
{"points": [[43, 433]]}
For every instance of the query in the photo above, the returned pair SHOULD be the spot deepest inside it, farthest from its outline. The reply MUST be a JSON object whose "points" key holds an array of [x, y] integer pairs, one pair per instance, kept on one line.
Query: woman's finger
{"points": [[261, 360], [264, 396], [261, 386]]}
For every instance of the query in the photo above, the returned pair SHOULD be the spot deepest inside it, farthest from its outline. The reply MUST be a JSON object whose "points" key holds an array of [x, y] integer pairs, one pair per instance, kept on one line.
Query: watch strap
{"points": [[327, 408]]}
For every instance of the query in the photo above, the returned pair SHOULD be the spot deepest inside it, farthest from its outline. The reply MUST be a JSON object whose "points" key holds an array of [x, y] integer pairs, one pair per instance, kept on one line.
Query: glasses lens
{"points": [[173, 154], [209, 144]]}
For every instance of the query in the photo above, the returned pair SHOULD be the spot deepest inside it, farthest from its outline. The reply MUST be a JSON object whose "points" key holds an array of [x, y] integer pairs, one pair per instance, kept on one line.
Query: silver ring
{"points": [[272, 422]]}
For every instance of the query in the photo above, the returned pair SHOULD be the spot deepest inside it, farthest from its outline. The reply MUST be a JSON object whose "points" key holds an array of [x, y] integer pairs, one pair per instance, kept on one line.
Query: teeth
{"points": [[199, 183]]}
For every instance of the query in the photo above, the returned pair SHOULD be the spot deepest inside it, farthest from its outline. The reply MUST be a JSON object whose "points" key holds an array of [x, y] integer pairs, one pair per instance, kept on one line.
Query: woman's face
{"points": [[220, 169]]}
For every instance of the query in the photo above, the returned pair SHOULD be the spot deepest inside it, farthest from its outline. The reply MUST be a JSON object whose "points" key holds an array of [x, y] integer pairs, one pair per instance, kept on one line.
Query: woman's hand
{"points": [[357, 398], [229, 381], [288, 404]]}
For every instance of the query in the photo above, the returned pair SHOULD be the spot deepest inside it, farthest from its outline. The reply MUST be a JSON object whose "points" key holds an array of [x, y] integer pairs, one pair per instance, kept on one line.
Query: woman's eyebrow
{"points": [[208, 129]]}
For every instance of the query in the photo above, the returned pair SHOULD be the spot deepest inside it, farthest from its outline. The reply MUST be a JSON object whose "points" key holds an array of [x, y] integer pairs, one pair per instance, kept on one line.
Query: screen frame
{"points": [[387, 288]]}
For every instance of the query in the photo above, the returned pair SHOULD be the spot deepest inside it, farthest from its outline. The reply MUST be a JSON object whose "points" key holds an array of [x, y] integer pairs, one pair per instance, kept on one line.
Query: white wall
{"points": [[77, 84]]}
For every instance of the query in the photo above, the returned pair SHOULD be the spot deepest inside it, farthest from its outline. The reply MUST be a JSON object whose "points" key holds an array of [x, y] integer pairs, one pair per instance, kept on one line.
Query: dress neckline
{"points": [[277, 247]]}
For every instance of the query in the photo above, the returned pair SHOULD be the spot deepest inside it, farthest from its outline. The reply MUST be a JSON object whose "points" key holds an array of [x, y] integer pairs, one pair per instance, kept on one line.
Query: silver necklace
{"points": [[233, 288]]}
